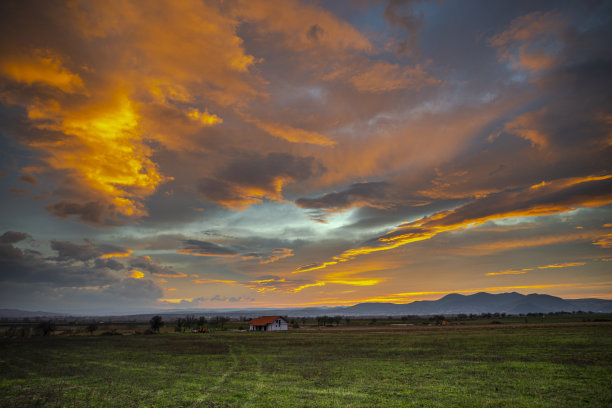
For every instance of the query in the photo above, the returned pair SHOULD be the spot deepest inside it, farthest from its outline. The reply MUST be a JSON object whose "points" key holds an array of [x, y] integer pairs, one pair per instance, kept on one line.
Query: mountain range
{"points": [[452, 304]]}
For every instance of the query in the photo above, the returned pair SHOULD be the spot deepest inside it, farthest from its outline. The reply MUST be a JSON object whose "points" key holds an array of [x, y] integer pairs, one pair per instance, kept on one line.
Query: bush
{"points": [[46, 327], [156, 323]]}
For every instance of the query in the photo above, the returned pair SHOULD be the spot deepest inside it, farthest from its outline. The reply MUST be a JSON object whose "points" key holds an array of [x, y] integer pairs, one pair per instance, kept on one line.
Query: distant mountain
{"points": [[16, 313], [482, 302], [452, 304]]}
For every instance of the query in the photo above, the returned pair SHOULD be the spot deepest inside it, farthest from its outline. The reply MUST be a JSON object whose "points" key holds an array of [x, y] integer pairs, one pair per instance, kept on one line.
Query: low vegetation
{"points": [[568, 365]]}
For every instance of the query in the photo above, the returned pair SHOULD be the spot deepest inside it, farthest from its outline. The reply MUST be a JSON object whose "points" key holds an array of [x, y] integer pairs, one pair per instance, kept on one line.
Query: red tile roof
{"points": [[263, 320]]}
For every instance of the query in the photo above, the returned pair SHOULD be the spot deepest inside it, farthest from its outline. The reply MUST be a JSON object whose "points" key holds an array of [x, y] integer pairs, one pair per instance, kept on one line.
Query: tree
{"points": [[46, 327], [180, 325], [91, 327], [156, 323], [222, 320], [190, 322]]}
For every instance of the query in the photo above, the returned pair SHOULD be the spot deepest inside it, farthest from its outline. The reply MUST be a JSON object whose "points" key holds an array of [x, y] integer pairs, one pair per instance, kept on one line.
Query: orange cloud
{"points": [[204, 118], [302, 26], [40, 67], [530, 40], [294, 135], [606, 240], [562, 265], [277, 284], [522, 271], [134, 274], [507, 245], [117, 254], [266, 258], [104, 150], [383, 76], [554, 198], [170, 275], [199, 252], [510, 272], [175, 301], [525, 126]]}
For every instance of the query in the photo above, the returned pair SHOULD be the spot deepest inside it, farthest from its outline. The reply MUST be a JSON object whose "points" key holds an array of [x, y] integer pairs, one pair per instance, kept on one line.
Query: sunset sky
{"points": [[284, 153]]}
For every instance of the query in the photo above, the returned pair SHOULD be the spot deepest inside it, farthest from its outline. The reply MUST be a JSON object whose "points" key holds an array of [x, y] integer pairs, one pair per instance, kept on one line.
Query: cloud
{"points": [[553, 198], [145, 263], [19, 266], [302, 27], [109, 263], [134, 274], [526, 127], [372, 194], [68, 251], [268, 257], [252, 177], [203, 248], [28, 178], [96, 133], [91, 212], [12, 237], [40, 67], [271, 283], [384, 77], [399, 13], [292, 134], [525, 270], [196, 247], [532, 41]]}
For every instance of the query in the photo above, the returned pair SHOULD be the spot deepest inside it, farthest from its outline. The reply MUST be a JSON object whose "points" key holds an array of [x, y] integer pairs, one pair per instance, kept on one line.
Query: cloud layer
{"points": [[260, 153]]}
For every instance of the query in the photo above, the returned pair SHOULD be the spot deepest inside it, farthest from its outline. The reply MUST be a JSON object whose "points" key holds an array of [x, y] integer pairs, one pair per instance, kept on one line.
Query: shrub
{"points": [[46, 327]]}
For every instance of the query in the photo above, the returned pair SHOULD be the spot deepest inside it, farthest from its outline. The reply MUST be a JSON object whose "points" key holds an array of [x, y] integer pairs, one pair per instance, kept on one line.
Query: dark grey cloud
{"points": [[12, 237], [146, 264], [357, 194], [109, 263], [121, 297], [68, 251], [205, 248], [92, 212], [401, 14], [27, 267], [261, 171], [554, 198], [234, 183], [28, 178], [314, 32]]}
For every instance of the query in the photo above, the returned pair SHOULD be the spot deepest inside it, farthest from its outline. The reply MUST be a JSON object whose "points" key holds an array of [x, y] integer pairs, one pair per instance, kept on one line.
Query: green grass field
{"points": [[566, 366]]}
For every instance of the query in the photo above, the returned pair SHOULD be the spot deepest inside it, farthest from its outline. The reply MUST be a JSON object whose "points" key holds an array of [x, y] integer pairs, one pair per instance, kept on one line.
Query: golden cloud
{"points": [[103, 149], [552, 198], [292, 134], [40, 67], [134, 274], [127, 253]]}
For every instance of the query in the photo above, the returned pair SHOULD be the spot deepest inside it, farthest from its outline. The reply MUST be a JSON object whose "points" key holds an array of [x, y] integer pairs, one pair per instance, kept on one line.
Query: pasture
{"points": [[567, 365]]}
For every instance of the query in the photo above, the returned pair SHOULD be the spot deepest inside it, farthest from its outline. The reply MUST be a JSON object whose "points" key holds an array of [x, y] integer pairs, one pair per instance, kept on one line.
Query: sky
{"points": [[282, 153]]}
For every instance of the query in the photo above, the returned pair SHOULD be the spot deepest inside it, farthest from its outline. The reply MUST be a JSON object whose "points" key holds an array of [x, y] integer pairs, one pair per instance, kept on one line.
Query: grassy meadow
{"points": [[560, 366]]}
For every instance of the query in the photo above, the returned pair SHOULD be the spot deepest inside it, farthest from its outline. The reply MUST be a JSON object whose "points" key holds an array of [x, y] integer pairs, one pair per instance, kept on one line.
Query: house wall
{"points": [[279, 324]]}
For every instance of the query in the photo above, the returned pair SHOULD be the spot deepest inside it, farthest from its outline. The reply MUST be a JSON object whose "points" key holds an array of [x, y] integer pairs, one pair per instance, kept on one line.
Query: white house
{"points": [[268, 323]]}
